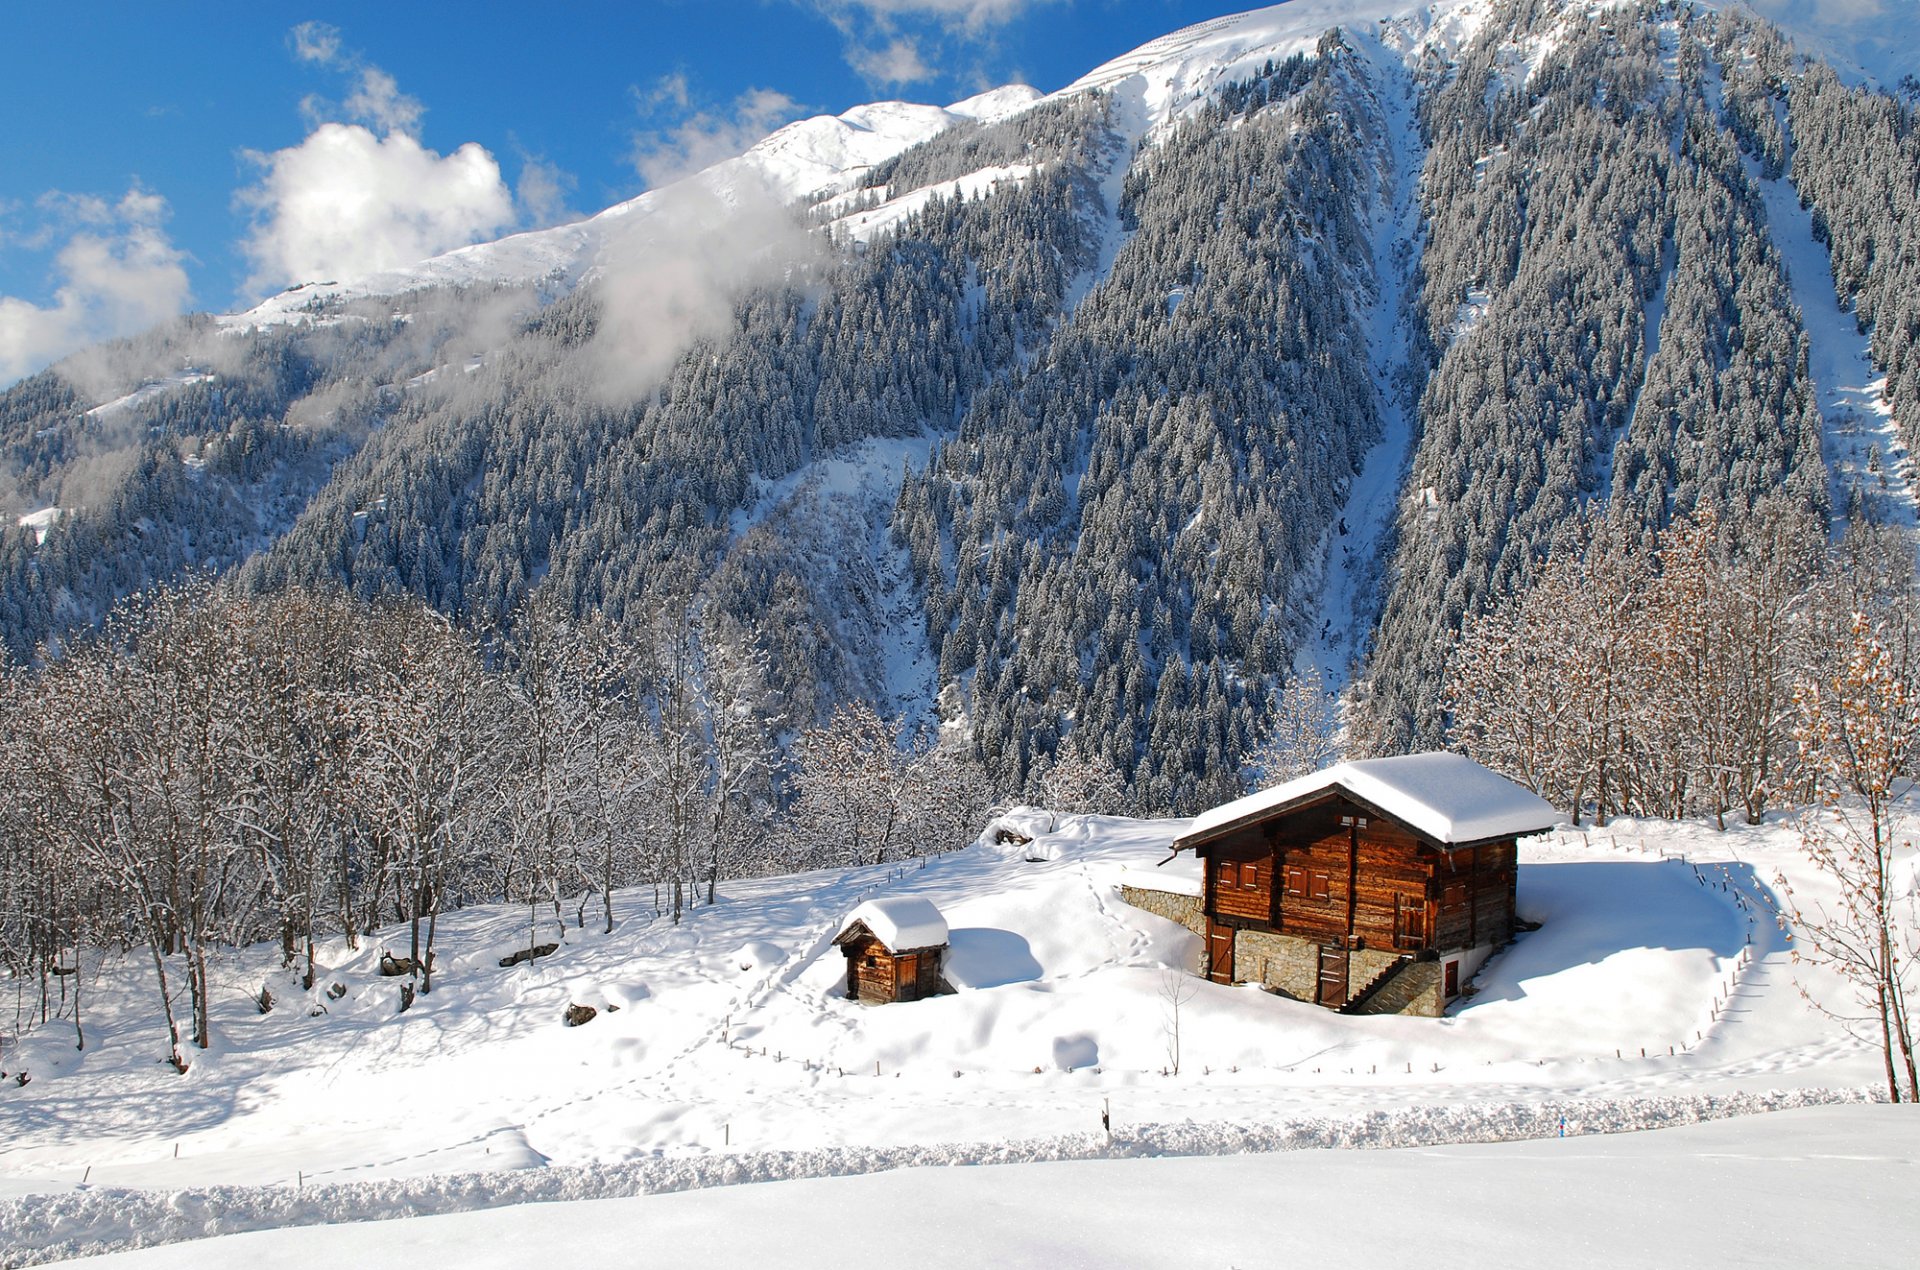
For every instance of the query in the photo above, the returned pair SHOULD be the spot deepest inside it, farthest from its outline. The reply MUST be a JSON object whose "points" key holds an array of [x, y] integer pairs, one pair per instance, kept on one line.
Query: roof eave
{"points": [[1252, 818]]}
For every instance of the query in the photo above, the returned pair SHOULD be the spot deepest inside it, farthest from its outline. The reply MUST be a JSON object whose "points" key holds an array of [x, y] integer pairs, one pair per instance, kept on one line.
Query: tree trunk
{"points": [[426, 967], [1886, 1044], [174, 1056]]}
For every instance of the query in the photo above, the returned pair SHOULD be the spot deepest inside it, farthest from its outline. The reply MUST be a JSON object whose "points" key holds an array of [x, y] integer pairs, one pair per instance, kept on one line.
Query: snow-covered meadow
{"points": [[1659, 989], [1785, 1189]]}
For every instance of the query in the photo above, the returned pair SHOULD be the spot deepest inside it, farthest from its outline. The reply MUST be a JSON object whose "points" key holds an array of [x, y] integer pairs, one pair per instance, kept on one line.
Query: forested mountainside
{"points": [[1052, 424]]}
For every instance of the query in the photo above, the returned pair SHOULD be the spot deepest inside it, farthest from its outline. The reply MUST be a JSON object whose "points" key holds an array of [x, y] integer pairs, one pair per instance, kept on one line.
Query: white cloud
{"points": [[704, 137], [975, 15], [118, 273], [375, 98], [543, 192], [891, 42], [345, 203], [378, 101], [362, 193], [316, 42], [898, 62]]}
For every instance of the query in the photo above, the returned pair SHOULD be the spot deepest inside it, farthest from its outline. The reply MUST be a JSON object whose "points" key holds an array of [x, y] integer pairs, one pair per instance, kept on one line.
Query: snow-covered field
{"points": [[1786, 1189], [733, 1056]]}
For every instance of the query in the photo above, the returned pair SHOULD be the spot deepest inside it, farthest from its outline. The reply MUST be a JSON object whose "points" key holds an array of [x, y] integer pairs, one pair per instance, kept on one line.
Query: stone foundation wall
{"points": [[1284, 963], [1290, 966], [1184, 909]]}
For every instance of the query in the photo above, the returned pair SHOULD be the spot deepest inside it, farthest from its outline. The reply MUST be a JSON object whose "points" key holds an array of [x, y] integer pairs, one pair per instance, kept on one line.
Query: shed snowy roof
{"points": [[901, 922], [1447, 797]]}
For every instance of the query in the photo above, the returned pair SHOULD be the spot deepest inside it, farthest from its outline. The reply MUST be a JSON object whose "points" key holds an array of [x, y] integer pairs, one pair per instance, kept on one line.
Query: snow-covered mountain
{"points": [[822, 156], [1284, 341], [816, 157]]}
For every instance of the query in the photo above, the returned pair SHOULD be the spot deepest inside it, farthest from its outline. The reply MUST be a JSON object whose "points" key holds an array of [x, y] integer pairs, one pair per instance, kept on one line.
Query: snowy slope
{"points": [[1177, 72], [731, 1033]]}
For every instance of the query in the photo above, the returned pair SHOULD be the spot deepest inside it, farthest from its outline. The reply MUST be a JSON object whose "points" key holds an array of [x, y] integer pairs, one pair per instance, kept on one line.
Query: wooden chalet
{"points": [[896, 950], [1377, 886]]}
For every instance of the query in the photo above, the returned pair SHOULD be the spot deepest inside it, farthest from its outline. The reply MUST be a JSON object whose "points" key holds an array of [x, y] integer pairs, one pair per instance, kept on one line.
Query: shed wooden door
{"points": [[1220, 953], [1333, 976], [906, 977]]}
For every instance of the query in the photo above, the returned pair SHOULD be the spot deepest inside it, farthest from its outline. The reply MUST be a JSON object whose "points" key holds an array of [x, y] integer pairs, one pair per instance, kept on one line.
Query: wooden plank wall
{"points": [[870, 982], [1240, 878], [878, 982], [1394, 864]]}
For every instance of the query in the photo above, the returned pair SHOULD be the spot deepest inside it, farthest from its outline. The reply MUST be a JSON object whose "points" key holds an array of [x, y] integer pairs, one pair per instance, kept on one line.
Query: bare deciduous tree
{"points": [[1859, 735]]}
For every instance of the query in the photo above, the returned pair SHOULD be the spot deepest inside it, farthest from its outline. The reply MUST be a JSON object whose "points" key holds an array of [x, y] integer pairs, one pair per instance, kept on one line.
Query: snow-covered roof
{"points": [[1447, 797], [901, 922]]}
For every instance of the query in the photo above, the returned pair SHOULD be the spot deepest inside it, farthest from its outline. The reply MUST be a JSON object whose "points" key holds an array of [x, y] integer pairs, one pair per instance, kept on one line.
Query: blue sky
{"points": [[158, 157]]}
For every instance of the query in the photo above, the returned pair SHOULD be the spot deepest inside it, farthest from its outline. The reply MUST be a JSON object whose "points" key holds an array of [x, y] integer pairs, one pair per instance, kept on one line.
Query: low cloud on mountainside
{"points": [[675, 272], [1876, 35]]}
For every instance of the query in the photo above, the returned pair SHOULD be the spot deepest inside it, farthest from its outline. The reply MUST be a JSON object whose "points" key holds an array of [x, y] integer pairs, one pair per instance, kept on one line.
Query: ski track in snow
{"points": [[1350, 553], [1861, 440], [1850, 392]]}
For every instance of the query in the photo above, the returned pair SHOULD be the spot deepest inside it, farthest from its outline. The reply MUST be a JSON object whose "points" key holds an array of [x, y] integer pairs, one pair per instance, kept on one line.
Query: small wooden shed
{"points": [[1373, 886], [896, 950]]}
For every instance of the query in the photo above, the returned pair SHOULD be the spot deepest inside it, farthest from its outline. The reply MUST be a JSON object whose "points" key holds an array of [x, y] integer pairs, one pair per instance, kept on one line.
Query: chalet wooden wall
{"points": [[875, 973]]}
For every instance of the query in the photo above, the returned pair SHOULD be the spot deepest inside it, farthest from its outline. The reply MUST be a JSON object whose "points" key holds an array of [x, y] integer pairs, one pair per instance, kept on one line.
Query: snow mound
{"points": [[757, 954], [1016, 824]]}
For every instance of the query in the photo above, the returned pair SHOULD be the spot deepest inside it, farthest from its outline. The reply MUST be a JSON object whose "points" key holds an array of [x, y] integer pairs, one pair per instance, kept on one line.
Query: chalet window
{"points": [[872, 962], [1250, 876], [1318, 886], [1224, 873], [1296, 880], [1410, 921]]}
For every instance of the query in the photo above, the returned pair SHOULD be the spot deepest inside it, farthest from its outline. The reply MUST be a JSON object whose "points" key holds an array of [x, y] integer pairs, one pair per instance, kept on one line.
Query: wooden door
{"points": [[906, 977], [1333, 976], [1219, 953]]}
